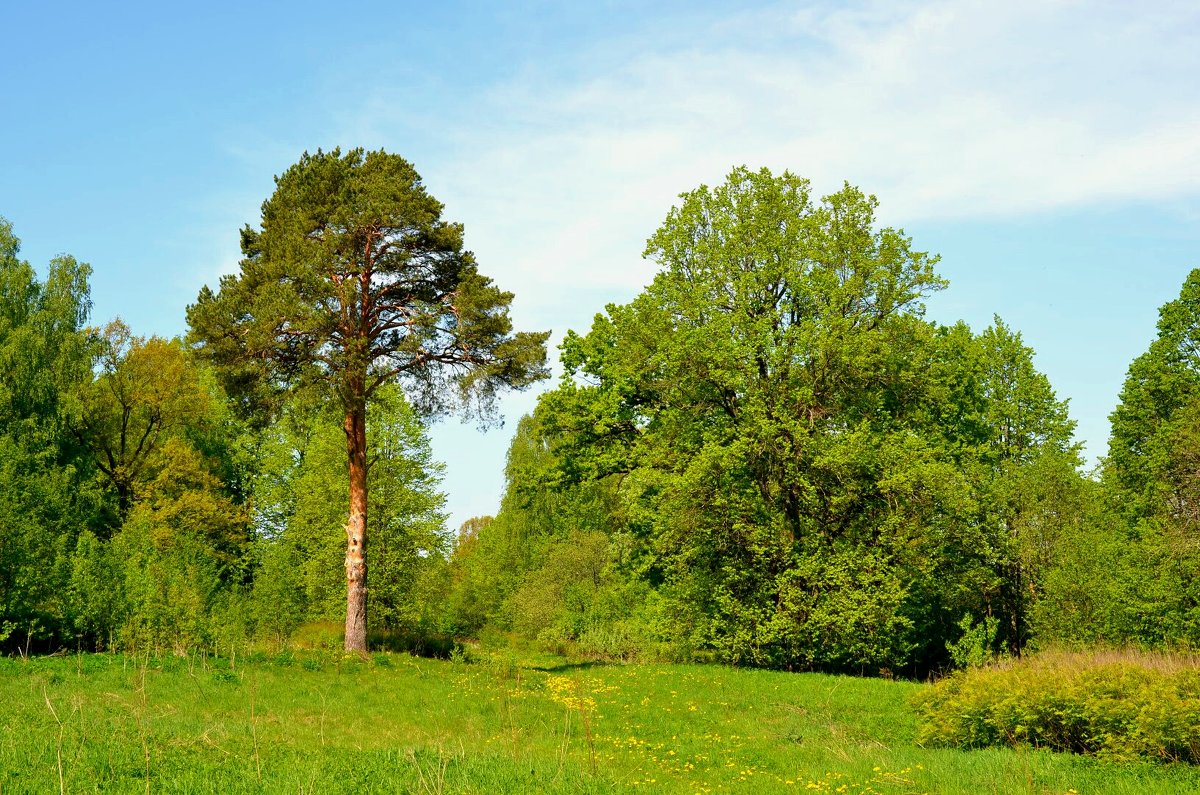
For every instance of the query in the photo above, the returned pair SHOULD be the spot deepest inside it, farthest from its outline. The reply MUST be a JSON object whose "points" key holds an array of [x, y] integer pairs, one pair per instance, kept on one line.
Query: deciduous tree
{"points": [[1147, 466], [44, 502], [145, 392], [814, 473]]}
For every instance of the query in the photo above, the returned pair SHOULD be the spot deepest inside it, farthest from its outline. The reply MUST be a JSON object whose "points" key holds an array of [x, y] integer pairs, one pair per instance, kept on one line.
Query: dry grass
{"points": [[1165, 662]]}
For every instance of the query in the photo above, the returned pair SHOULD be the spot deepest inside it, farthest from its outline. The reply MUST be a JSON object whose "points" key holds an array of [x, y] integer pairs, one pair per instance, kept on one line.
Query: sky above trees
{"points": [[1050, 152]]}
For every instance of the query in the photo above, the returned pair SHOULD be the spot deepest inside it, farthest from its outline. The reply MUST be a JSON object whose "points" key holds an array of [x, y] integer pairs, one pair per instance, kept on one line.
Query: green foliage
{"points": [[575, 600], [327, 635], [473, 573], [96, 590], [977, 644], [123, 518], [145, 393], [175, 564], [278, 597], [43, 347], [1101, 589], [1148, 451], [1116, 705], [1128, 574], [538, 515], [171, 584], [803, 471], [45, 496], [354, 282], [301, 515], [81, 450]]}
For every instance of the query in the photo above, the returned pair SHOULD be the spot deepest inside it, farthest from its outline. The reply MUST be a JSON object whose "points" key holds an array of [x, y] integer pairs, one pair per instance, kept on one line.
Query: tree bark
{"points": [[356, 529]]}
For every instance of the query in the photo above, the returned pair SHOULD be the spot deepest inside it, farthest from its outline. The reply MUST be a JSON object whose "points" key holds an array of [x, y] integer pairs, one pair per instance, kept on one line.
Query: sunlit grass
{"points": [[321, 722]]}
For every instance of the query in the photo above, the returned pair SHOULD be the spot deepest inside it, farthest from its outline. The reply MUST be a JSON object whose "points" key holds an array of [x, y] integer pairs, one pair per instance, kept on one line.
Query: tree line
{"points": [[769, 457]]}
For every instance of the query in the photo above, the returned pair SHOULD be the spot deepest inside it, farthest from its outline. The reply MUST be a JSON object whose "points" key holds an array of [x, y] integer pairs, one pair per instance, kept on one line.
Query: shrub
{"points": [[1113, 704], [319, 635], [976, 645], [170, 581]]}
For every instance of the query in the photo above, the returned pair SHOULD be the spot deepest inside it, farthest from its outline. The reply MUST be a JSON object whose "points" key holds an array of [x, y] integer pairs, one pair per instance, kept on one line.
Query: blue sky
{"points": [[1049, 151]]}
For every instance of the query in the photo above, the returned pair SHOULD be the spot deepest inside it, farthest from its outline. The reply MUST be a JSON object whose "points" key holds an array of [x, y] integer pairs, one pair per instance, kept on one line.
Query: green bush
{"points": [[171, 583], [976, 645], [1119, 705]]}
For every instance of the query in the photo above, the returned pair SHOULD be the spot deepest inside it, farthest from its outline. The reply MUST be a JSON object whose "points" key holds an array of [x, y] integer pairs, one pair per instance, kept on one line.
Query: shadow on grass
{"points": [[569, 666], [432, 645]]}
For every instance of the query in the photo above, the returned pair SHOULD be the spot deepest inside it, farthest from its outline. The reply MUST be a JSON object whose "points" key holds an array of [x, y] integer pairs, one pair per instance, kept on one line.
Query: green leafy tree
{"points": [[1012, 438], [44, 497], [181, 553], [774, 318], [43, 344], [96, 591], [354, 281], [1102, 586], [145, 393], [1158, 406], [760, 388], [553, 565], [810, 473], [1150, 476]]}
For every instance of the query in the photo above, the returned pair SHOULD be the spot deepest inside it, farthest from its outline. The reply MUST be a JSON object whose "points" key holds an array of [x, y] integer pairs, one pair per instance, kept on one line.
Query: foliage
{"points": [[1118, 705], [549, 567], [768, 457], [116, 525], [180, 540], [146, 392], [975, 646], [171, 585], [353, 280], [1147, 464], [45, 496], [96, 591], [1127, 566], [806, 471], [576, 600], [42, 345], [301, 510]]}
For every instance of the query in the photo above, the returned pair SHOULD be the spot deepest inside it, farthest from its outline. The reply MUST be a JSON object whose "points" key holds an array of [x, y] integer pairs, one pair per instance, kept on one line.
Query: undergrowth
{"points": [[1118, 705]]}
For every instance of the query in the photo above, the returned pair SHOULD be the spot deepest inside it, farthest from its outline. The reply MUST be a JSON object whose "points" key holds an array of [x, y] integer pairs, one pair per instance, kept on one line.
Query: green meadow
{"points": [[324, 722]]}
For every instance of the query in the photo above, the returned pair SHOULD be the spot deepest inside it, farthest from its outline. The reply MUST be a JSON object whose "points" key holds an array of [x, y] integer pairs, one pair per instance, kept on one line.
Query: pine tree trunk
{"points": [[356, 530]]}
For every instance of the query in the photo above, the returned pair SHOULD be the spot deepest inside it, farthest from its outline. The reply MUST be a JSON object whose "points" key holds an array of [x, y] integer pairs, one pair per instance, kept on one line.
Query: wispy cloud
{"points": [[943, 109]]}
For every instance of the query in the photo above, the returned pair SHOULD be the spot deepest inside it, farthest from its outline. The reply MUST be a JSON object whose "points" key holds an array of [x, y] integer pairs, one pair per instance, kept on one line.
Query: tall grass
{"points": [[322, 722]]}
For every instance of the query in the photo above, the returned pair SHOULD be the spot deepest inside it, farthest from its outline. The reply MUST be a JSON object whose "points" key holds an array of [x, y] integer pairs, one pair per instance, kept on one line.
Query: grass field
{"points": [[321, 723]]}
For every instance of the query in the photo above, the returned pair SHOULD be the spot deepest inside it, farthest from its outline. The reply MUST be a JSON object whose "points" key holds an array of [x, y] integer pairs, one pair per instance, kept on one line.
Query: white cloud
{"points": [[943, 109]]}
